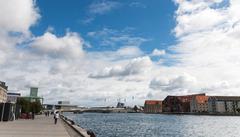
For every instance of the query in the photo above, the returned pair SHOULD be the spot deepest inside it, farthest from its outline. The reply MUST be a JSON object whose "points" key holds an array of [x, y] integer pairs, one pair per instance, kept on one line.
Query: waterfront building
{"points": [[153, 106], [224, 104], [3, 92], [65, 105], [12, 105], [33, 97], [138, 108], [120, 105], [62, 107], [64, 102], [12, 97], [199, 104], [178, 103]]}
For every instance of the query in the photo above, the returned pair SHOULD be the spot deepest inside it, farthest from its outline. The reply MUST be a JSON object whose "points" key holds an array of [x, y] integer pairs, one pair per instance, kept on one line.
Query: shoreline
{"points": [[195, 114], [73, 129], [168, 113]]}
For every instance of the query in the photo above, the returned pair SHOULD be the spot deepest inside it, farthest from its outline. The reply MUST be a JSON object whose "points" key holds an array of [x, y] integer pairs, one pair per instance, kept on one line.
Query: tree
{"points": [[25, 105], [36, 106], [28, 106]]}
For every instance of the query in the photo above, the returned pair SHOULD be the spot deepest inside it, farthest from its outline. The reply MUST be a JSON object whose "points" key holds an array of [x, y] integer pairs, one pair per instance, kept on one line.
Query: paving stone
{"points": [[41, 126]]}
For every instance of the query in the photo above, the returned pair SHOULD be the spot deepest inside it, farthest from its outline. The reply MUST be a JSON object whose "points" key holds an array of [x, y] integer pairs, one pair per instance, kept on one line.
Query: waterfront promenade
{"points": [[41, 126]]}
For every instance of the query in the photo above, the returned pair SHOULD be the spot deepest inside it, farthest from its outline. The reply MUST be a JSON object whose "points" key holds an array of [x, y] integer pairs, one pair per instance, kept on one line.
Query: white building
{"points": [[224, 104]]}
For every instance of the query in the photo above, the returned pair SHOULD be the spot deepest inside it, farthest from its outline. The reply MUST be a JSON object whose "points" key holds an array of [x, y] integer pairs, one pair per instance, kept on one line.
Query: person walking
{"points": [[56, 116], [33, 115]]}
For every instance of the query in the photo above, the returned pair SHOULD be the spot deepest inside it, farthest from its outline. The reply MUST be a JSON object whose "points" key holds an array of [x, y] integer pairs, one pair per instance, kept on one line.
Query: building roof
{"points": [[13, 94], [3, 85], [200, 94], [225, 97], [66, 105], [153, 102], [184, 98], [63, 102], [201, 99]]}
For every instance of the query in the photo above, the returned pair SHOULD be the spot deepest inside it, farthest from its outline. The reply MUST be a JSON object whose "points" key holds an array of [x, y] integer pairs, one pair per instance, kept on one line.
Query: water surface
{"points": [[157, 125]]}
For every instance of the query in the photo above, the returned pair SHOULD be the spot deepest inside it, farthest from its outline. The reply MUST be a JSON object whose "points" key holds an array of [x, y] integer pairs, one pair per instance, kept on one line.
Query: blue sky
{"points": [[152, 20], [95, 52]]}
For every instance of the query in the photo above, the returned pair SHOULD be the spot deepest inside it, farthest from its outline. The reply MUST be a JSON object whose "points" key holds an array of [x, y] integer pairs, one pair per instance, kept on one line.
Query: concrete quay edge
{"points": [[81, 131]]}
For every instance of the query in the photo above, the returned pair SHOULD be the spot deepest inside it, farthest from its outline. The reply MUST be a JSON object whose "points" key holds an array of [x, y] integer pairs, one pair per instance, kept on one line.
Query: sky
{"points": [[99, 52]]}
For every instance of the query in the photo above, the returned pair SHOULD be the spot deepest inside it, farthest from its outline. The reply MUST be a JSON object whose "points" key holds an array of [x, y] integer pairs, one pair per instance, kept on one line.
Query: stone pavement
{"points": [[41, 126]]}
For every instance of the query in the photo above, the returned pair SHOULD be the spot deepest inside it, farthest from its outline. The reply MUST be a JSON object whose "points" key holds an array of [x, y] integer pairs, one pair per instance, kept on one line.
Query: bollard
{"points": [[89, 132], [72, 122]]}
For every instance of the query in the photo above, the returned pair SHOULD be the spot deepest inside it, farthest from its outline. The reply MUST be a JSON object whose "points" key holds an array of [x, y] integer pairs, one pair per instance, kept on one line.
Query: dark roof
{"points": [[14, 94], [200, 94], [3, 85], [66, 105], [225, 97]]}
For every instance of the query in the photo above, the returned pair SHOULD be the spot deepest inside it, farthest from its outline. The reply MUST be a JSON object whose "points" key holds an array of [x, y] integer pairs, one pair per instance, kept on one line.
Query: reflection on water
{"points": [[157, 125]]}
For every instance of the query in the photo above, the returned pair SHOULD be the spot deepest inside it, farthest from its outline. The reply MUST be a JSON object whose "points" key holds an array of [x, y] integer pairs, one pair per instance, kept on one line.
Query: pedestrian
{"points": [[56, 116], [33, 115], [29, 115]]}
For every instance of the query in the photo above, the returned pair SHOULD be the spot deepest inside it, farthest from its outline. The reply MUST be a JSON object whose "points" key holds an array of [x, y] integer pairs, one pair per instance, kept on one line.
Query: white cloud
{"points": [[18, 16], [198, 16], [100, 8], [137, 5], [129, 51], [67, 46], [103, 7], [111, 37], [57, 66], [88, 20], [207, 58], [135, 66], [208, 44], [157, 52], [123, 53], [179, 83]]}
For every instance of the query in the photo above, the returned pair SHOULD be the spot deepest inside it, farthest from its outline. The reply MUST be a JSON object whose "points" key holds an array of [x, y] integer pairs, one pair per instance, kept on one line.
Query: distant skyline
{"points": [[97, 52]]}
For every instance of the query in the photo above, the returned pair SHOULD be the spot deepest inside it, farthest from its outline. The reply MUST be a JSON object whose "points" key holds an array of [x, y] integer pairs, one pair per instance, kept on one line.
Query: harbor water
{"points": [[157, 125]]}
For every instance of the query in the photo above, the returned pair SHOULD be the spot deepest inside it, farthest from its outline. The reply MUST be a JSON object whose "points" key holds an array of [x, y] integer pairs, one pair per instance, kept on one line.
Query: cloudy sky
{"points": [[97, 52]]}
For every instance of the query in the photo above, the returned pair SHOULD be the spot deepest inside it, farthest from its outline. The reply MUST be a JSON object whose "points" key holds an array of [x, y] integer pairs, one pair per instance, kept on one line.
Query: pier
{"points": [[41, 126]]}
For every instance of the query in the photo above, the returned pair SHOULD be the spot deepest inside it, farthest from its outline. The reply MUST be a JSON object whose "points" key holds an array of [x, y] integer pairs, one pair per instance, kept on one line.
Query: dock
{"points": [[41, 126]]}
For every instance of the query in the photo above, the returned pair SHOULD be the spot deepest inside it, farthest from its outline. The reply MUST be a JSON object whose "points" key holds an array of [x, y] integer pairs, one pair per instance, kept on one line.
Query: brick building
{"points": [[178, 103], [199, 104], [153, 106]]}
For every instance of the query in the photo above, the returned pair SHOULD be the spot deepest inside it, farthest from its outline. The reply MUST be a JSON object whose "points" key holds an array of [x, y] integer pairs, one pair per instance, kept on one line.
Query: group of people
{"points": [[55, 113], [47, 113]]}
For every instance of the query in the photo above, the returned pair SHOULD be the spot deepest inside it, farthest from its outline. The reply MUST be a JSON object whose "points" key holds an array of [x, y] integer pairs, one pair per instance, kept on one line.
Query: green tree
{"points": [[25, 105], [28, 106], [36, 106]]}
